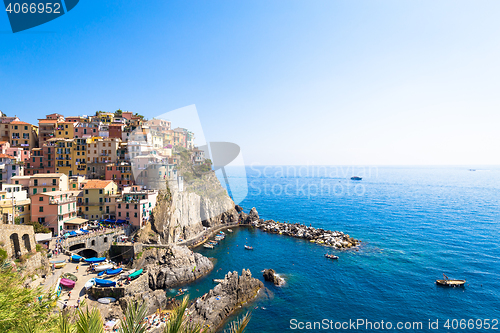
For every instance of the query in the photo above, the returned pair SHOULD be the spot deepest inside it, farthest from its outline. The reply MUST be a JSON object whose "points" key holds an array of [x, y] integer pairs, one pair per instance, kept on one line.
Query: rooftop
{"points": [[47, 175], [91, 184]]}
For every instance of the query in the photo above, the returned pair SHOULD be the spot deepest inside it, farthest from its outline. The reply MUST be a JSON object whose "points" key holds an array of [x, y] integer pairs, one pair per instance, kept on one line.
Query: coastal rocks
{"points": [[336, 239], [174, 265], [271, 276], [238, 208], [252, 217], [216, 305]]}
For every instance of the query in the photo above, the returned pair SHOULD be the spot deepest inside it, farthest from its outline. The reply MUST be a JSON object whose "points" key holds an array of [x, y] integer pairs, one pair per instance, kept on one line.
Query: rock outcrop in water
{"points": [[271, 276], [336, 239], [173, 266], [216, 305]]}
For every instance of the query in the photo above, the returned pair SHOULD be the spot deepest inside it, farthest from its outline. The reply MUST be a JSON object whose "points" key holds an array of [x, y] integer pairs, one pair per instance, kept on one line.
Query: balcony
{"points": [[59, 201]]}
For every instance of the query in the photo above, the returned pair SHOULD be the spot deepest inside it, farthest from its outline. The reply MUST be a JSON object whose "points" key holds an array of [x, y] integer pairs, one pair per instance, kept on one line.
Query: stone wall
{"points": [[17, 239], [98, 242], [136, 286]]}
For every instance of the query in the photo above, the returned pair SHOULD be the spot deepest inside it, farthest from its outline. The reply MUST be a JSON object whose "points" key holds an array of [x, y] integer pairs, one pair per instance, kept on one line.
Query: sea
{"points": [[415, 224]]}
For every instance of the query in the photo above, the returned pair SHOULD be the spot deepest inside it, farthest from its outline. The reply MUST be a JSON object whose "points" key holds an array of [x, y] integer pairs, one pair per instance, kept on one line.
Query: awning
{"points": [[72, 233], [84, 231], [121, 221], [76, 221]]}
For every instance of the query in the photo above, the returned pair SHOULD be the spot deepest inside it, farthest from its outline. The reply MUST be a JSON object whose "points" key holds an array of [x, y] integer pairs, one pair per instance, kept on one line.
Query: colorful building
{"points": [[99, 199], [23, 135], [120, 173], [14, 204], [136, 205], [56, 210], [48, 182]]}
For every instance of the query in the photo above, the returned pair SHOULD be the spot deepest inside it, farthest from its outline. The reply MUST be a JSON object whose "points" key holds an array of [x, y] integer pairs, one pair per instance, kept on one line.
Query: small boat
{"points": [[104, 300], [90, 283], [217, 280], [248, 247], [76, 258], [60, 265], [331, 256], [208, 246], [221, 232], [111, 272], [105, 283], [356, 178], [103, 267], [450, 282], [67, 283], [135, 274], [229, 230], [95, 260], [57, 261], [101, 273], [69, 276]]}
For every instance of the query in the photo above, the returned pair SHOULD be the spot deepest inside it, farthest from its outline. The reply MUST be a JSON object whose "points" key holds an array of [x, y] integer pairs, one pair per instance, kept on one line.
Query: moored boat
{"points": [[208, 246], [57, 261], [90, 283], [95, 260], [69, 276], [356, 178], [450, 282], [105, 283], [229, 230], [67, 283], [331, 256], [248, 247], [135, 274], [111, 272], [103, 267], [76, 258], [60, 265]]}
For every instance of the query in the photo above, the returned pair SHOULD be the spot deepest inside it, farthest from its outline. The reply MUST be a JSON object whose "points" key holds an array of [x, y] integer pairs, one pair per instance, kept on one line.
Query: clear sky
{"points": [[292, 82]]}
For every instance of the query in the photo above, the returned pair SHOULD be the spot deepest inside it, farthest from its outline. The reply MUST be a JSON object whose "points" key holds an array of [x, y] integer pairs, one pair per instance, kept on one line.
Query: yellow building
{"points": [[14, 196], [106, 117], [99, 199], [65, 156], [23, 135], [65, 130]]}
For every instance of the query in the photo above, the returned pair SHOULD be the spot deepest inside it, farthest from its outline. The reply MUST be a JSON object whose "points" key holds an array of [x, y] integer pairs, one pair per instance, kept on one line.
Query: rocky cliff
{"points": [[173, 266], [216, 305], [185, 209]]}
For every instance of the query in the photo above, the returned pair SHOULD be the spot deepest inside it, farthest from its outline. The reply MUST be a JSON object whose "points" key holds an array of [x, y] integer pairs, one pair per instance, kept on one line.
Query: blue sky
{"points": [[291, 82]]}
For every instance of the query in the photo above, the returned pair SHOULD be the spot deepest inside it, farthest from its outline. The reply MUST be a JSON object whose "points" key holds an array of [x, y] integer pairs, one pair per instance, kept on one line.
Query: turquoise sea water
{"points": [[415, 224]]}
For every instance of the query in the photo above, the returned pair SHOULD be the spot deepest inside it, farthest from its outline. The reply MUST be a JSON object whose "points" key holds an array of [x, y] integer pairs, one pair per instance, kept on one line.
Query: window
{"points": [[86, 209], [54, 181], [40, 198], [53, 189], [128, 214], [135, 214], [44, 189], [119, 205], [40, 209], [41, 220], [34, 191], [35, 182], [86, 191], [100, 191]]}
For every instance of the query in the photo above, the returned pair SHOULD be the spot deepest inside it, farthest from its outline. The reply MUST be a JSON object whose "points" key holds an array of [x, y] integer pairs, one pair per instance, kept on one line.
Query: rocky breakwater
{"points": [[215, 306], [336, 239], [173, 266], [271, 276]]}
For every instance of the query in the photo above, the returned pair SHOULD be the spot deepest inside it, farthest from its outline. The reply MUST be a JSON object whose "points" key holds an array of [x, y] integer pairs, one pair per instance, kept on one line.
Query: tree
{"points": [[118, 113]]}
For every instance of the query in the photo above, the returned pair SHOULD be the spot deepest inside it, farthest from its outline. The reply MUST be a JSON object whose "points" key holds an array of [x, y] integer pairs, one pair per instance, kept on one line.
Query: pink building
{"points": [[56, 210], [136, 205]]}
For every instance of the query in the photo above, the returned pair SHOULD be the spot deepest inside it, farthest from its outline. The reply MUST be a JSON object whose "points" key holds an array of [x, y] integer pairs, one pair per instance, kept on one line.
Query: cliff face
{"points": [[183, 210], [173, 266], [215, 306]]}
